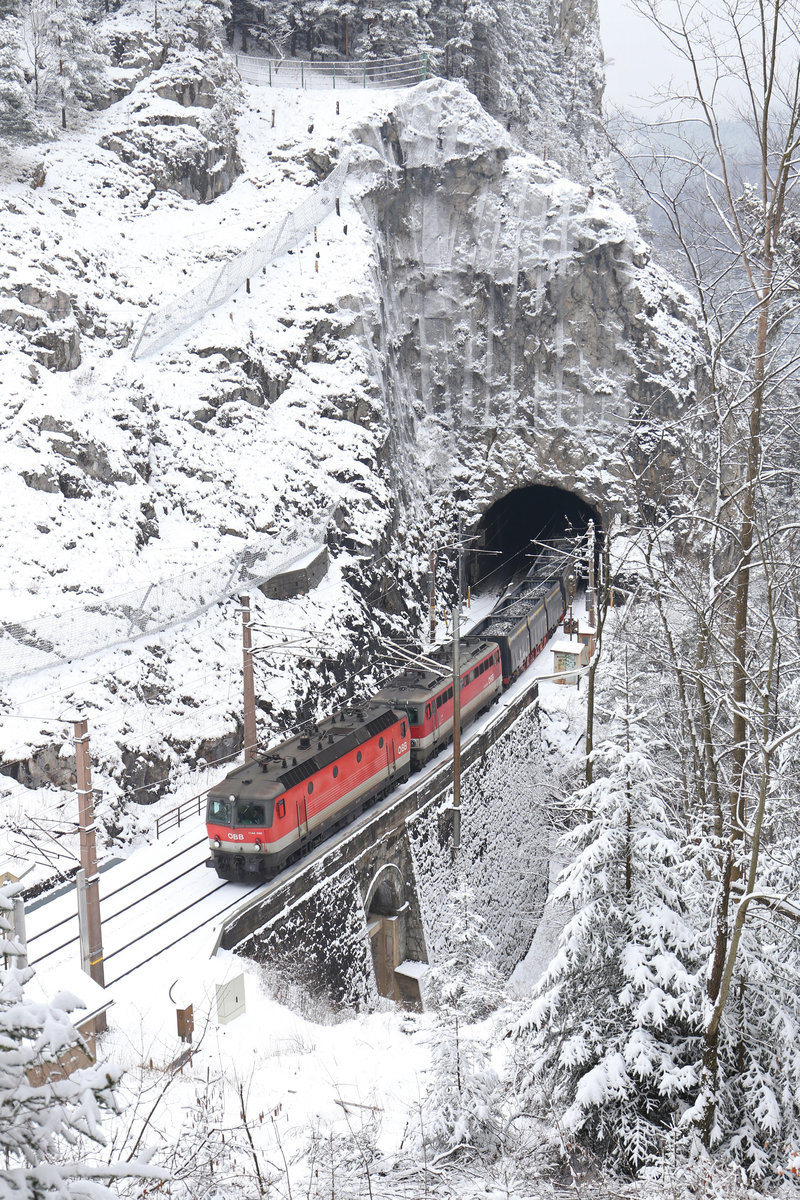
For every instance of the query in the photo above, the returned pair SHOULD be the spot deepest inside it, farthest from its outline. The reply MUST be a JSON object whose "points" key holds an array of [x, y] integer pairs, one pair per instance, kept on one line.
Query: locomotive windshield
{"points": [[260, 815], [414, 715], [219, 812]]}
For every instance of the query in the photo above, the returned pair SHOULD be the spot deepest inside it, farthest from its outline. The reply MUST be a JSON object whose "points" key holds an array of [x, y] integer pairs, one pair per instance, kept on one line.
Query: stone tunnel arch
{"points": [[534, 512]]}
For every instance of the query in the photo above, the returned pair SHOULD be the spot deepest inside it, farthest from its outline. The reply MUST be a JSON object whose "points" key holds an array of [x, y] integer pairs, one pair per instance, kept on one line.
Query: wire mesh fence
{"points": [[118, 620], [344, 74], [167, 322]]}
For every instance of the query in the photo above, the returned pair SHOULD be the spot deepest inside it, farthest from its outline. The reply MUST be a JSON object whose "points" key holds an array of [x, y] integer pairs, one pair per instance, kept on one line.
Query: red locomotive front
{"points": [[270, 811]]}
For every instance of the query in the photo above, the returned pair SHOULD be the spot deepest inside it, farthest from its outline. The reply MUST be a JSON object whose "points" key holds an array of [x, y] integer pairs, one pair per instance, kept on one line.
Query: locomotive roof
{"points": [[416, 684], [301, 756]]}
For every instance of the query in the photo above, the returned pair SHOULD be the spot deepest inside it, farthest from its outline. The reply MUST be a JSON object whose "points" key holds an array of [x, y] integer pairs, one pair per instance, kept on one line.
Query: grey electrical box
{"points": [[230, 1000]]}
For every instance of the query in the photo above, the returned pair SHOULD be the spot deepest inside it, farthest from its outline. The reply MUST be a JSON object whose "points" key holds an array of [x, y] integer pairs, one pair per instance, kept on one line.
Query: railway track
{"points": [[148, 907]]}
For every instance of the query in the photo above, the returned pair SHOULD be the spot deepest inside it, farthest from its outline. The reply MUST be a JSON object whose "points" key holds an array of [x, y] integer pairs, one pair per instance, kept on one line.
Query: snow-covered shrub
{"points": [[613, 1035], [466, 982]]}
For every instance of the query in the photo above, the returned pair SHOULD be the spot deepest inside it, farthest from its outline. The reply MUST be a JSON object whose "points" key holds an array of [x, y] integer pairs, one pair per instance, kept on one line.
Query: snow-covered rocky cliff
{"points": [[471, 317]]}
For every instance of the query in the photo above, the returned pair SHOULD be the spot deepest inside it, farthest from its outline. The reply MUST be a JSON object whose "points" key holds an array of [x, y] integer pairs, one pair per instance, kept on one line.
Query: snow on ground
{"points": [[167, 461]]}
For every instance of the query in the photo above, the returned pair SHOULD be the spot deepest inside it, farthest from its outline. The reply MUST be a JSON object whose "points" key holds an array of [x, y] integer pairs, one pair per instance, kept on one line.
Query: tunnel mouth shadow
{"points": [[508, 534]]}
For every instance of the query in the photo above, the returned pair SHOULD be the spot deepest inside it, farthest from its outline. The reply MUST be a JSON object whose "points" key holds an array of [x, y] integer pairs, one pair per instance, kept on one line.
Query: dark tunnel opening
{"points": [[508, 532]]}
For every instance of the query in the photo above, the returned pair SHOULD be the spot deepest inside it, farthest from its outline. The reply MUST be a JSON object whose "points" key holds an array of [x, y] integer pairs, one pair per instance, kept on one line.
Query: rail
{"points": [[174, 318], [118, 620]]}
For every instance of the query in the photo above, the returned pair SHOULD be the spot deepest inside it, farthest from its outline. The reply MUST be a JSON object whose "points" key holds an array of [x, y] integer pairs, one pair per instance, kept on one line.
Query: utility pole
{"points": [[590, 598], [250, 735], [91, 934], [433, 597], [457, 706]]}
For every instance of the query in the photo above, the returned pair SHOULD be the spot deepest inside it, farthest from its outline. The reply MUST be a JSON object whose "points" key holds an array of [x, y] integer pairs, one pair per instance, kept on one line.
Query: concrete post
{"points": [[590, 598], [19, 930], [89, 859], [457, 706]]}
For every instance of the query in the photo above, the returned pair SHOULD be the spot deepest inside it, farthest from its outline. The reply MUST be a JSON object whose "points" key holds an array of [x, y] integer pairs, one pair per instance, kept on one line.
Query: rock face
{"points": [[47, 319], [519, 318], [179, 135], [470, 322]]}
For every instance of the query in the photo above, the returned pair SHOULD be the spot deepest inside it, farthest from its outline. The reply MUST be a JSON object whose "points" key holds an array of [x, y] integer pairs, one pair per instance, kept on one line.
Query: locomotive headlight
{"points": [[217, 843], [258, 845]]}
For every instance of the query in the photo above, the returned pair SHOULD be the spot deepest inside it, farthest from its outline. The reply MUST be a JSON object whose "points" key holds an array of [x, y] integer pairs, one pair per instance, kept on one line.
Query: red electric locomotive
{"points": [[270, 811], [427, 695]]}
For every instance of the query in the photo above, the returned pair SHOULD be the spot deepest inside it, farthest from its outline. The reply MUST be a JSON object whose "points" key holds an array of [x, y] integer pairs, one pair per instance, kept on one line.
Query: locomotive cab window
{"points": [[403, 729], [219, 812], [427, 710], [251, 814], [281, 807], [413, 715]]}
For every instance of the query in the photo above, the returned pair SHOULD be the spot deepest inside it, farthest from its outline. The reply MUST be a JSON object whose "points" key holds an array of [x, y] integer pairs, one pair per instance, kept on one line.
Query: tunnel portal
{"points": [[508, 532]]}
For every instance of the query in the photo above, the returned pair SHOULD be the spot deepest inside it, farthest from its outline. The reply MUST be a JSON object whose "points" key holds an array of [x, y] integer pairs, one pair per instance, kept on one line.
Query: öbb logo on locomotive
{"points": [[269, 812]]}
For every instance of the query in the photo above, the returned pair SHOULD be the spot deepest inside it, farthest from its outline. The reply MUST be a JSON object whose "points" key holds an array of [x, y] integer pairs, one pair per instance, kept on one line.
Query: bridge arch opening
{"points": [[508, 532], [387, 908]]}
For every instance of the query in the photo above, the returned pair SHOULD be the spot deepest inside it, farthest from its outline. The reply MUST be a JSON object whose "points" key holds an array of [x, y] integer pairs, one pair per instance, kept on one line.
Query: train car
{"points": [[508, 628], [427, 695], [270, 811], [548, 599], [531, 612]]}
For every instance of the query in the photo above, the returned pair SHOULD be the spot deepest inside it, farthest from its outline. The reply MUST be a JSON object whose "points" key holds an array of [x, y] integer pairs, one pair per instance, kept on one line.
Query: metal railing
{"points": [[182, 813], [109, 621], [167, 322], [344, 74]]}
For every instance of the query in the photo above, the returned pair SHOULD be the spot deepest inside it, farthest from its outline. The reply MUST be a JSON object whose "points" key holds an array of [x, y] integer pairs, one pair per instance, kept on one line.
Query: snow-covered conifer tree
{"points": [[612, 1038], [390, 30], [64, 56], [16, 119], [461, 1104], [44, 1123]]}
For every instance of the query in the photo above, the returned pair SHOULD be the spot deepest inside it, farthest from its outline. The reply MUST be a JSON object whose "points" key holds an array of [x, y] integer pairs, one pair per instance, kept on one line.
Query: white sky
{"points": [[636, 57]]}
